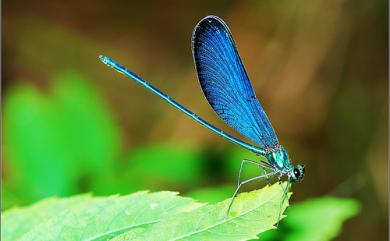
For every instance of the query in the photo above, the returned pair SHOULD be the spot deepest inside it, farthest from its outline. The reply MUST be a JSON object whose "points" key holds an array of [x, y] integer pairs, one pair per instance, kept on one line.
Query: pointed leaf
{"points": [[157, 216], [90, 218], [252, 213]]}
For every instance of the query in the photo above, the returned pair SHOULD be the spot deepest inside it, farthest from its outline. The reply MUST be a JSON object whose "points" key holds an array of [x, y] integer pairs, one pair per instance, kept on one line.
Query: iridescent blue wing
{"points": [[225, 83]]}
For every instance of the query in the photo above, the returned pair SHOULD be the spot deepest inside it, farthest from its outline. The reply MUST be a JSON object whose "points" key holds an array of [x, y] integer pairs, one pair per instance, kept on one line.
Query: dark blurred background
{"points": [[72, 125]]}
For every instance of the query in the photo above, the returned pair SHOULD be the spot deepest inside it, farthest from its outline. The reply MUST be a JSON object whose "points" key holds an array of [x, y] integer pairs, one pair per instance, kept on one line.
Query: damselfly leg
{"points": [[239, 183]]}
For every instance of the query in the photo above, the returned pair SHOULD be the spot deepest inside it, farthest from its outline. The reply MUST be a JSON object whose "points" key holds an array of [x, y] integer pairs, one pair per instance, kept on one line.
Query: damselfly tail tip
{"points": [[104, 59], [111, 63], [107, 61]]}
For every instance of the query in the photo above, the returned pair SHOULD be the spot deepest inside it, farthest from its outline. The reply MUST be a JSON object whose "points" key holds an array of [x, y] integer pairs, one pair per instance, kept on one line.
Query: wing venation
{"points": [[225, 82]]}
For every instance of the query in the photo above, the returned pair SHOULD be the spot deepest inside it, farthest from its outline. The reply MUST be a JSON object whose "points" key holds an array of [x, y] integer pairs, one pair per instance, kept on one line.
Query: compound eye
{"points": [[297, 173]]}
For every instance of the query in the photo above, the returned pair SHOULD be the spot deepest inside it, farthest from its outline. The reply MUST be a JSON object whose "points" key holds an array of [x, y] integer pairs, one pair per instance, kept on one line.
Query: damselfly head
{"points": [[298, 173]]}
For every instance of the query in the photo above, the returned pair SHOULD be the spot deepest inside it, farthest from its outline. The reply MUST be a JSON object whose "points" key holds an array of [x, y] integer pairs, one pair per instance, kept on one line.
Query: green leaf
{"points": [[92, 135], [85, 217], [251, 214], [315, 220], [59, 142], [157, 216], [38, 161], [87, 121]]}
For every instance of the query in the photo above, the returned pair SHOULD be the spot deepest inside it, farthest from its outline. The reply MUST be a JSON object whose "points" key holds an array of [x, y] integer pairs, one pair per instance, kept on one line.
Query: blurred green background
{"points": [[71, 125]]}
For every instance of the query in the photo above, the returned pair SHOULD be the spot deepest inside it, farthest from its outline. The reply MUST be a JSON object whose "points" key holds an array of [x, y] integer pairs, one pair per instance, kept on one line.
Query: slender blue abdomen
{"points": [[111, 63]]}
